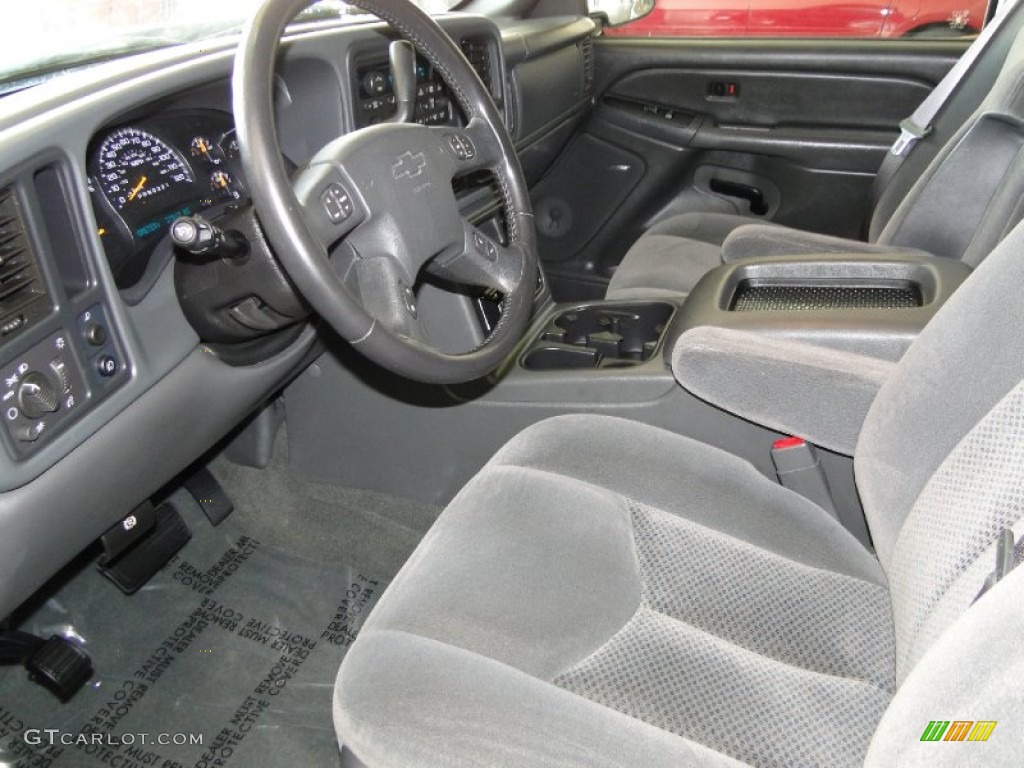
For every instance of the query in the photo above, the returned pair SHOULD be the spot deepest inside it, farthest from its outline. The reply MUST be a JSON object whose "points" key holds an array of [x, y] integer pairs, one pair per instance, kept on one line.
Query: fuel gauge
{"points": [[222, 184]]}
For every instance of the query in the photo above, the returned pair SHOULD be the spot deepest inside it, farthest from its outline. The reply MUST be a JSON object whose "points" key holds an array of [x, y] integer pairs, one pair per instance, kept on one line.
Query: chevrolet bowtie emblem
{"points": [[409, 165]]}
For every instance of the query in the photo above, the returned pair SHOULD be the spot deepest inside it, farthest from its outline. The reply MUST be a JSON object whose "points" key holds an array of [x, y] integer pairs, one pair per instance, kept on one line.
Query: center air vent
{"points": [[23, 298], [478, 53]]}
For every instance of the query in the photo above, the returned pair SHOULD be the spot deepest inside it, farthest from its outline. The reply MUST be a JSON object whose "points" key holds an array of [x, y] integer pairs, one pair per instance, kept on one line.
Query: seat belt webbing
{"points": [[919, 124], [1009, 554]]}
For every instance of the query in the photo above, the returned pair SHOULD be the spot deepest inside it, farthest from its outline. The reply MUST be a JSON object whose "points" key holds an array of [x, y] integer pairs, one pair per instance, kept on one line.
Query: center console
{"points": [[872, 305], [599, 335], [613, 358]]}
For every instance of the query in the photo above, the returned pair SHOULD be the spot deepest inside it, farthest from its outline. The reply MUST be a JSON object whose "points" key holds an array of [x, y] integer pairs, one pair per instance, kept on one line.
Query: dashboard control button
{"points": [[60, 370], [95, 334], [29, 433], [45, 388], [106, 365], [36, 395], [376, 82], [13, 324]]}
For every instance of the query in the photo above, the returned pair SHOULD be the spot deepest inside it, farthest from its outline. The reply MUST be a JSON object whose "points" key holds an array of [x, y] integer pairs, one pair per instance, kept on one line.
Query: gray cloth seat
{"points": [[669, 259], [585, 581], [608, 593], [959, 206]]}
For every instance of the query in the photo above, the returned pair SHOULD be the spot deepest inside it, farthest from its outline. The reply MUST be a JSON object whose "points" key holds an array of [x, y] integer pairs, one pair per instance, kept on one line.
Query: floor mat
{"points": [[227, 657], [379, 529]]}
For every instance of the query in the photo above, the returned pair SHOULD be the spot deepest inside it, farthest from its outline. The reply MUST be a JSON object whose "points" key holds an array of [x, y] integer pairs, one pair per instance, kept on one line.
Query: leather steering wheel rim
{"points": [[302, 254]]}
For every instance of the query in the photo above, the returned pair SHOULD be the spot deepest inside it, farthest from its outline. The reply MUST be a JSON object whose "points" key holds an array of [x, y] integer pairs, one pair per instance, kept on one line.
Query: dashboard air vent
{"points": [[479, 56], [21, 285], [587, 50]]}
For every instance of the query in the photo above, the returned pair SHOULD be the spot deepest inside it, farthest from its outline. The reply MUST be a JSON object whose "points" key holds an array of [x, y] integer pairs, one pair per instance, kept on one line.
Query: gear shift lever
{"points": [[402, 58]]}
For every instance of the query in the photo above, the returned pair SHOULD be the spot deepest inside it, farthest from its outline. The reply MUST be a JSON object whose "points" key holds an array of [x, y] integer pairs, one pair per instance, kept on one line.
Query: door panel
{"points": [[791, 131]]}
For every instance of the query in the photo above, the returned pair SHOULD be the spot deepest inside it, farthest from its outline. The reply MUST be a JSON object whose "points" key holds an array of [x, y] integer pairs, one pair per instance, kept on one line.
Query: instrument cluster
{"points": [[144, 175]]}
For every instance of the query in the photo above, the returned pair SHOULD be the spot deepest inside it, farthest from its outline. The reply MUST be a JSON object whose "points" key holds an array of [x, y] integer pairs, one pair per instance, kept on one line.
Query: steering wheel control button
{"points": [[36, 395], [484, 246], [461, 146], [106, 365], [337, 203]]}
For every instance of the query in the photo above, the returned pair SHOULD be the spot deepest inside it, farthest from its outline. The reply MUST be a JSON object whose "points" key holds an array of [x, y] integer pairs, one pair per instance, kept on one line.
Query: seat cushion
{"points": [[608, 593], [669, 259]]}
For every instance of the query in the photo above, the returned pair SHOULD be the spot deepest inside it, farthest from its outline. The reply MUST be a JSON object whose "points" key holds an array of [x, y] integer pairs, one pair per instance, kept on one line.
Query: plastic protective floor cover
{"points": [[227, 657]]}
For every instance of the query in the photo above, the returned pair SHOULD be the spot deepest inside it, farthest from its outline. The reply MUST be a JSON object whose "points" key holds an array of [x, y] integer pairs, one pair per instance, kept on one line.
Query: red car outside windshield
{"points": [[808, 18]]}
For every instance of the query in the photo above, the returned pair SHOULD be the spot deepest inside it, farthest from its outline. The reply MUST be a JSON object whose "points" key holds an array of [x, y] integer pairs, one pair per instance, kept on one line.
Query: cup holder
{"points": [[600, 336]]}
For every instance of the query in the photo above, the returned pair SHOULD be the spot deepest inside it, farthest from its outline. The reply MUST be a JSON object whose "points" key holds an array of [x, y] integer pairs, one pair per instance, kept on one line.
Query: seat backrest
{"points": [[968, 197], [961, 105], [940, 460]]}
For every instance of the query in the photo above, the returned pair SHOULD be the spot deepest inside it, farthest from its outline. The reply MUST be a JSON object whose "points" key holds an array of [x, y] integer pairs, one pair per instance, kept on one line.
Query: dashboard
{"points": [[144, 174], [109, 389]]}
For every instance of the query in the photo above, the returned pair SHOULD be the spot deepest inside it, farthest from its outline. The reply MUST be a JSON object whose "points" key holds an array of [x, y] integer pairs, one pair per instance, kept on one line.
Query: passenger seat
{"points": [[955, 196]]}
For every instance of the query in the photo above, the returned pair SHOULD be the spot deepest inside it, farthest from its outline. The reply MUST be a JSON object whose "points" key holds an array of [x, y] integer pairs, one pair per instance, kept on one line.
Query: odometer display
{"points": [[137, 170]]}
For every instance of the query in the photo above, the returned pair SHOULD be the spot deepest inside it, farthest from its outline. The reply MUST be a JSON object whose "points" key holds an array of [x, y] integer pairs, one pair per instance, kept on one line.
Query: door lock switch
{"points": [[723, 90]]}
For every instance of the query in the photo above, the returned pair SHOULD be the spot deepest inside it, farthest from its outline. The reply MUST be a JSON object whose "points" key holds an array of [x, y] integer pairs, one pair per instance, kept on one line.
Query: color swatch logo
{"points": [[958, 730]]}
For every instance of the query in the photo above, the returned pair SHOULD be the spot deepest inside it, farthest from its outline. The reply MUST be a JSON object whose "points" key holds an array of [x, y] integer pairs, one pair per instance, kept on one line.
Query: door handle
{"points": [[753, 195]]}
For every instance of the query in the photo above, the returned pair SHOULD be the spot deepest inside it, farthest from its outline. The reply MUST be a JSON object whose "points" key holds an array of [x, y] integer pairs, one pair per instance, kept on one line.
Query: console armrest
{"points": [[790, 386], [867, 304], [754, 240]]}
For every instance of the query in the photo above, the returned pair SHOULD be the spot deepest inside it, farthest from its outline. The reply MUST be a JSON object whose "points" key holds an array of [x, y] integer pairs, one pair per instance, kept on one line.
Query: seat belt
{"points": [[919, 124], [1009, 554]]}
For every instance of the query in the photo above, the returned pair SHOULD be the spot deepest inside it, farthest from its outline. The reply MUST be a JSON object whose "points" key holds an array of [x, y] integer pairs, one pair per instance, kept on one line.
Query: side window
{"points": [[786, 18]]}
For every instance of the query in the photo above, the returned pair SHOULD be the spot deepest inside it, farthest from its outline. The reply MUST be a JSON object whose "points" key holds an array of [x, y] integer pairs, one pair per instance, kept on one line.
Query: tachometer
{"points": [[136, 168]]}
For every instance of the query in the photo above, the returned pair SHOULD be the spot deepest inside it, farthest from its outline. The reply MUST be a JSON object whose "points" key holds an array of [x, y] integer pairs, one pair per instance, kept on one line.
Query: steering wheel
{"points": [[379, 200]]}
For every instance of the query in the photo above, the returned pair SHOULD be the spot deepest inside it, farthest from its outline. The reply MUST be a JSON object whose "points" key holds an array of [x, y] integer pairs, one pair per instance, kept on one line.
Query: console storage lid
{"points": [[869, 304]]}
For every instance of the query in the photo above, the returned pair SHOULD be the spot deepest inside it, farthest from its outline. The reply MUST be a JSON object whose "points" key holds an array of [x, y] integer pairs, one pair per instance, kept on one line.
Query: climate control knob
{"points": [[36, 395]]}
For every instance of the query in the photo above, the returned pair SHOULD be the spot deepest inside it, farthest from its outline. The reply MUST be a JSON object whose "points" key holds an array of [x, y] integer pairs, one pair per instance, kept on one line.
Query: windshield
{"points": [[45, 38]]}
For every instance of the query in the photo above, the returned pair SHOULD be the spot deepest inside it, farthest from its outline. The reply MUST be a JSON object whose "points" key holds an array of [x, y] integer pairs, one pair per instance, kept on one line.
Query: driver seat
{"points": [[606, 593]]}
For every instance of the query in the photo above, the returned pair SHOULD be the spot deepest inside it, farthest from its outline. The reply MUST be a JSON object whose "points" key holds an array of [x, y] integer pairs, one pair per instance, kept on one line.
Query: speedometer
{"points": [[136, 168]]}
